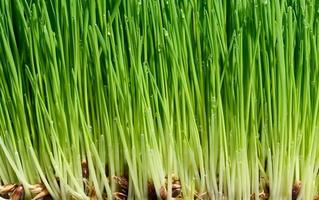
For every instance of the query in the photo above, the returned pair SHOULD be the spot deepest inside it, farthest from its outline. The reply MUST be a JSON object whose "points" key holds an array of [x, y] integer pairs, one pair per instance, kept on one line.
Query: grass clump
{"points": [[159, 99]]}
